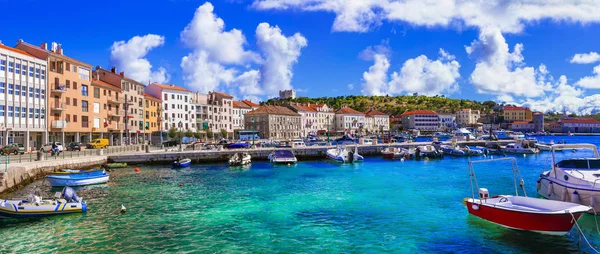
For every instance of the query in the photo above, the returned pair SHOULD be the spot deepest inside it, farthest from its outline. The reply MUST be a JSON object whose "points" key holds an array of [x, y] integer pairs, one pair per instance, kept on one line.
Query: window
{"points": [[104, 91], [68, 101], [2, 65], [68, 118], [43, 73], [75, 102], [11, 66], [10, 88], [173, 96], [84, 90], [30, 71], [37, 73], [84, 122], [1, 110], [84, 73], [84, 106], [74, 68], [75, 85], [31, 92], [2, 87], [37, 93], [166, 97], [43, 93], [43, 113], [10, 111], [96, 92], [69, 66], [74, 118]]}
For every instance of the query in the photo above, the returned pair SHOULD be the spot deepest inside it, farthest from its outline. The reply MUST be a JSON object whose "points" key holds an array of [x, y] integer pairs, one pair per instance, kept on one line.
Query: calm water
{"points": [[376, 206]]}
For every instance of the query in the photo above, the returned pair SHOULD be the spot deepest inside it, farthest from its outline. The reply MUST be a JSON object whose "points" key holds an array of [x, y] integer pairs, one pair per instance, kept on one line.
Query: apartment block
{"points": [[517, 114], [325, 118], [308, 118], [240, 108], [377, 121], [467, 117], [349, 121], [426, 120], [23, 102], [177, 106], [152, 114], [275, 122]]}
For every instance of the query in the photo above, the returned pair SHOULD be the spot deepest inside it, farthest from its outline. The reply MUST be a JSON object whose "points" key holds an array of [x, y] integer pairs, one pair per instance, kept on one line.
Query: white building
{"points": [[23, 84], [377, 121], [240, 108], [447, 121], [425, 120], [466, 117], [308, 118], [325, 117], [176, 106], [349, 121], [287, 94]]}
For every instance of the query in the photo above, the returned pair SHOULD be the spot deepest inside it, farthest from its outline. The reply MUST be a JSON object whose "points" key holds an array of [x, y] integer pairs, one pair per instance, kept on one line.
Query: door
{"points": [[96, 122]]}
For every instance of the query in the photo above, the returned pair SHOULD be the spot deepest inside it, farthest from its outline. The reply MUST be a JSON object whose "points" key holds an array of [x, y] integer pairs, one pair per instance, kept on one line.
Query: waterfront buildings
{"points": [[308, 116], [176, 106], [220, 115], [377, 121], [325, 118], [240, 108], [467, 117], [517, 114], [152, 114], [274, 122], [522, 126], [580, 125], [287, 94], [425, 120], [349, 121], [447, 121], [23, 103]]}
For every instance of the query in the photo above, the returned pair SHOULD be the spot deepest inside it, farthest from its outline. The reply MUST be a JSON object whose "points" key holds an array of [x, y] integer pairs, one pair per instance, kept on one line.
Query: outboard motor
{"points": [[418, 153], [350, 157], [70, 195]]}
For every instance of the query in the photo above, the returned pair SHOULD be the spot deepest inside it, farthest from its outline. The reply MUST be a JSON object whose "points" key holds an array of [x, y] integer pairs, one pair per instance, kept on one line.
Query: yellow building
{"points": [[152, 117], [517, 114]]}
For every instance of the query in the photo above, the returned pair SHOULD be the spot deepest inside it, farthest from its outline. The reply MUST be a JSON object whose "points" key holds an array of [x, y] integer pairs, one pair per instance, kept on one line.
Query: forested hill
{"points": [[393, 105]]}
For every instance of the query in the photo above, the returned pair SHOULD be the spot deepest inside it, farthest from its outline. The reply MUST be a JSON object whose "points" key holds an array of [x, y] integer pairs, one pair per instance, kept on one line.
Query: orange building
{"points": [[152, 114]]}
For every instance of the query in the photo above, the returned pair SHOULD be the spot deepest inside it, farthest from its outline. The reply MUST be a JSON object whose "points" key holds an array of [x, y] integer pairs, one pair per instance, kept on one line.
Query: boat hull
{"points": [[12, 209], [537, 222], [182, 165], [56, 181], [554, 189]]}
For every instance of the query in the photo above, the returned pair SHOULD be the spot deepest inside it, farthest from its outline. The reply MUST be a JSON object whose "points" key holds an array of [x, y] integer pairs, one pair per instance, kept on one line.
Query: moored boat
{"points": [[238, 145], [452, 150], [574, 180], [394, 153], [78, 178], [282, 157], [34, 206], [427, 151], [240, 159], [520, 147], [116, 165], [521, 212], [343, 155], [182, 163]]}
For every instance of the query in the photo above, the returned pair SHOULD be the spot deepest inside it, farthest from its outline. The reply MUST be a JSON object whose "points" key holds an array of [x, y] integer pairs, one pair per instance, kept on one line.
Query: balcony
{"points": [[59, 124], [114, 127], [114, 114], [114, 100], [58, 106], [58, 89]]}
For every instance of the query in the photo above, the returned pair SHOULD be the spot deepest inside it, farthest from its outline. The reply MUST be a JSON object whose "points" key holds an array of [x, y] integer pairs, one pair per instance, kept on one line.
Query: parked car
{"points": [[74, 146], [12, 148], [48, 147], [98, 143]]}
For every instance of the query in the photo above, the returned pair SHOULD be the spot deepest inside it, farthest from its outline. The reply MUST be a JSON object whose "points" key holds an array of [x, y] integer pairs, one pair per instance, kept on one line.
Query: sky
{"points": [[543, 54]]}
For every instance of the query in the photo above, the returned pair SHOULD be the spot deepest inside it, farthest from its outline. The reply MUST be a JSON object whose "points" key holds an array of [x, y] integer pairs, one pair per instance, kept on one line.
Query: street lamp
{"points": [[252, 119], [180, 141], [328, 142]]}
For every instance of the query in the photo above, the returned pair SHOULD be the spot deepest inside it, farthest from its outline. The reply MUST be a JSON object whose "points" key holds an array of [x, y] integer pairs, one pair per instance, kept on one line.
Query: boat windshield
{"points": [[593, 164], [283, 154]]}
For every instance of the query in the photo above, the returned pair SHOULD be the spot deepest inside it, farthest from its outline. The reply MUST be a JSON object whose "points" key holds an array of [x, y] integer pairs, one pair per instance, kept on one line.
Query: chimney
{"points": [[122, 74], [44, 46], [59, 49], [113, 69]]}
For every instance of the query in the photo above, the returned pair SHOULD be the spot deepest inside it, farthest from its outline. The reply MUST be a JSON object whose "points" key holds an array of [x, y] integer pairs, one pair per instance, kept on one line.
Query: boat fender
{"points": [[592, 201], [123, 209], [538, 185], [550, 189], [426, 158], [564, 194], [475, 207], [402, 159], [575, 197], [136, 170]]}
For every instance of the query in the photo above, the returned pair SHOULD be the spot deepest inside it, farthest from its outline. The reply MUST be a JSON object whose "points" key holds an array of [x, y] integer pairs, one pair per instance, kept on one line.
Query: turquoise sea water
{"points": [[311, 207]]}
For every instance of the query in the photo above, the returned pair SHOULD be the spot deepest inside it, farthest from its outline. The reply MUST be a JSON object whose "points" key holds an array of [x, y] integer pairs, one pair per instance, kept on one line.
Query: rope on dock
{"points": [[581, 233]]}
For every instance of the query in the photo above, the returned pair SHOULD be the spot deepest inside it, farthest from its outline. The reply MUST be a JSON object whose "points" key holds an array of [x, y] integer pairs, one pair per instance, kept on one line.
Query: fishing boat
{"points": [[521, 212], [282, 157], [83, 178], [182, 163], [240, 159], [394, 153], [574, 180], [238, 145], [35, 206], [427, 151], [116, 165], [343, 155], [520, 147]]}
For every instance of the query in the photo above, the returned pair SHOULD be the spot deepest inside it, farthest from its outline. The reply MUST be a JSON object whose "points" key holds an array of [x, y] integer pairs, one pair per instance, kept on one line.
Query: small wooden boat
{"points": [[522, 212], [183, 163], [77, 178], [240, 159], [34, 206], [116, 165]]}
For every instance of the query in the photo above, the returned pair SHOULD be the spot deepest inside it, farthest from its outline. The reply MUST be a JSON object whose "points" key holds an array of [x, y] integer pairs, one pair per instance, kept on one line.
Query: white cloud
{"points": [[130, 57], [280, 54], [592, 82], [425, 76], [200, 74], [417, 75], [369, 53], [585, 58], [207, 32], [249, 83], [375, 80], [350, 86], [507, 16]]}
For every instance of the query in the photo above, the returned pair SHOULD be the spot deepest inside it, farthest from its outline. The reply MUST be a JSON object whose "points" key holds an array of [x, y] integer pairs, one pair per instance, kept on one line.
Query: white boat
{"points": [[240, 159], [35, 206], [341, 154], [574, 180], [520, 147], [427, 151], [282, 157], [452, 150], [463, 134], [394, 153], [298, 143]]}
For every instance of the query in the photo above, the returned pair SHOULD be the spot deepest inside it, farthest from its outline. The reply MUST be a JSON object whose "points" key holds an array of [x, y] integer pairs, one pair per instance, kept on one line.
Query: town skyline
{"points": [[260, 47]]}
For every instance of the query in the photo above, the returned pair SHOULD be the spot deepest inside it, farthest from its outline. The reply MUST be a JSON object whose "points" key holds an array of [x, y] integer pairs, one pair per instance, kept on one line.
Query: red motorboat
{"points": [[522, 212]]}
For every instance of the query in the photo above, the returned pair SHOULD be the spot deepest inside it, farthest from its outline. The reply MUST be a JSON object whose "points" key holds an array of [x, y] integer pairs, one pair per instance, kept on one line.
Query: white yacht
{"points": [[463, 134], [520, 147], [341, 154], [574, 180]]}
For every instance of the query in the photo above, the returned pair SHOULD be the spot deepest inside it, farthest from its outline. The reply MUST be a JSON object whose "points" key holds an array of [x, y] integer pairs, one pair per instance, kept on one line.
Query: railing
{"points": [[59, 124], [5, 160], [58, 88], [57, 106]]}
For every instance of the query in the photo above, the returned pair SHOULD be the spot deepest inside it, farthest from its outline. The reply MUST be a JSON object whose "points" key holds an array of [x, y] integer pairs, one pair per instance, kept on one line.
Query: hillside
{"points": [[394, 105]]}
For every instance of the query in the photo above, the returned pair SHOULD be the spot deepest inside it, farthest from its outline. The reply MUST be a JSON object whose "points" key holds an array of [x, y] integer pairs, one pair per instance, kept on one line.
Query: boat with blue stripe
{"points": [[34, 206], [82, 178]]}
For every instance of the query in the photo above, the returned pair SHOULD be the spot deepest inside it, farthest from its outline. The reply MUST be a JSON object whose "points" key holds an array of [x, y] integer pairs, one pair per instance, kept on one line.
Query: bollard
{"points": [[30, 156], [20, 155], [147, 148], [40, 155]]}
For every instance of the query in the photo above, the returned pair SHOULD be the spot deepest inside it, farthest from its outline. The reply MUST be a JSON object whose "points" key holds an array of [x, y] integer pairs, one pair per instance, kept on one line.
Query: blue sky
{"points": [[315, 47]]}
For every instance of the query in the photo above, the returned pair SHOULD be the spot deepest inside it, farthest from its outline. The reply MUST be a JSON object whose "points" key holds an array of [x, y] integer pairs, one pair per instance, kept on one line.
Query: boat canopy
{"points": [[579, 164], [283, 154]]}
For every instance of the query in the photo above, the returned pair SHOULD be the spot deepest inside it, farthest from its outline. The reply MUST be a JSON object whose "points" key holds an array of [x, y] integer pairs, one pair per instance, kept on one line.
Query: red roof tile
{"points": [[274, 110], [249, 103], [171, 87], [240, 104], [581, 120], [373, 112], [223, 94], [302, 108], [419, 112], [152, 97], [348, 111], [105, 83]]}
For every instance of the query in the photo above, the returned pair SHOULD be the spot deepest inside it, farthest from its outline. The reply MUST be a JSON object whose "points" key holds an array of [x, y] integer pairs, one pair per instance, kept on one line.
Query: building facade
{"points": [[152, 114], [240, 108], [517, 114], [467, 117], [349, 121], [447, 121], [220, 115], [377, 121], [274, 122], [522, 126], [425, 120], [580, 125], [325, 118], [308, 118], [176, 106], [538, 122], [287, 94], [23, 102]]}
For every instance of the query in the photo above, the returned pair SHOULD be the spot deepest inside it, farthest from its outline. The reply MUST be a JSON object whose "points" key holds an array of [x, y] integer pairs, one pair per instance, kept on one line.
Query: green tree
{"points": [[198, 134], [209, 133], [223, 133], [172, 133], [189, 133]]}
